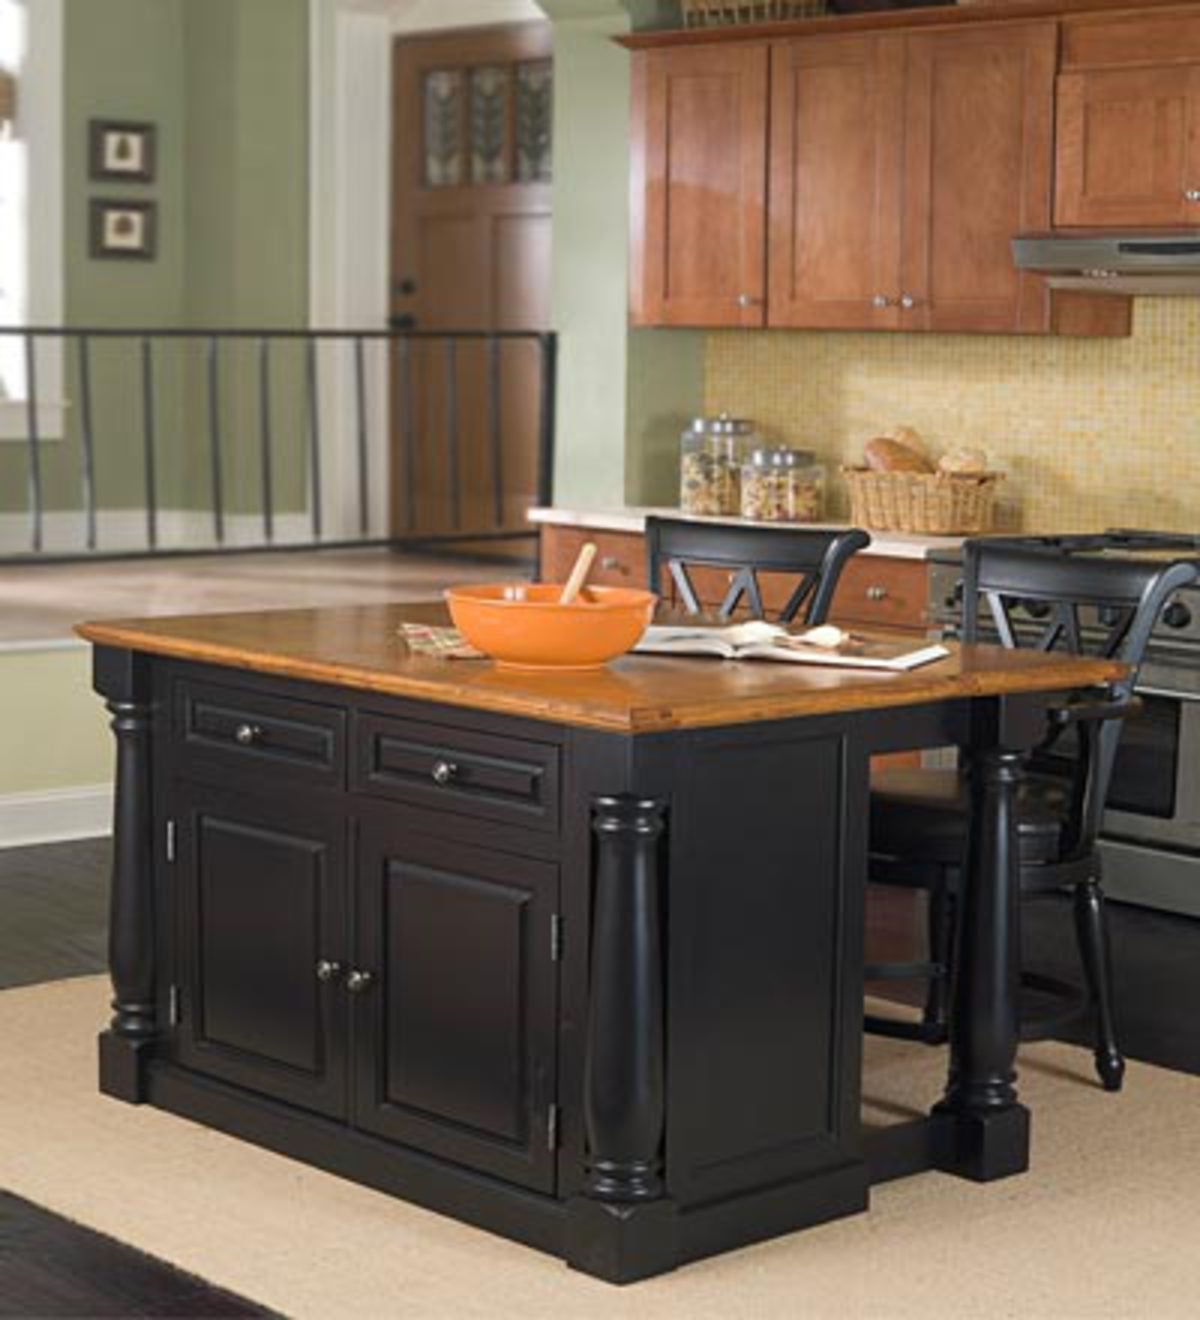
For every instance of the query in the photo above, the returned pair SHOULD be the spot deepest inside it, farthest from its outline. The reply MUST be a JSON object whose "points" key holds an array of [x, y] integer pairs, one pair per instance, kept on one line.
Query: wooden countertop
{"points": [[359, 647]]}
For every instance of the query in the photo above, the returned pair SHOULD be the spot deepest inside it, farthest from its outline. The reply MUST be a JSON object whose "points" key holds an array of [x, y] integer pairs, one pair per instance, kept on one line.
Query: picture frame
{"points": [[124, 230], [122, 151]]}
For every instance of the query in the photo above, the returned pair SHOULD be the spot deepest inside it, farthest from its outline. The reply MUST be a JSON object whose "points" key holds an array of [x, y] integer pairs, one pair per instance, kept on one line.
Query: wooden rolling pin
{"points": [[582, 567]]}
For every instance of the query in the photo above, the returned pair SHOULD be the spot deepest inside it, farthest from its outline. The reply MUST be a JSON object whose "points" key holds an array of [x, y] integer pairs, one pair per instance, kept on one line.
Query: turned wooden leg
{"points": [[991, 1130], [1092, 932], [621, 1228], [126, 1045]]}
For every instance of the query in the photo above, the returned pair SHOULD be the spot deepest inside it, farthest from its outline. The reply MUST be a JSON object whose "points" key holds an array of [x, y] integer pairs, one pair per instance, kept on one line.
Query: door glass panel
{"points": [[535, 100], [489, 124], [443, 130]]}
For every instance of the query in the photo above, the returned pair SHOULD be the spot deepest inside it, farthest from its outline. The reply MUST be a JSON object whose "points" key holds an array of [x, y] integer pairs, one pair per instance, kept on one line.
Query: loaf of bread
{"points": [[908, 436], [887, 455], [964, 463]]}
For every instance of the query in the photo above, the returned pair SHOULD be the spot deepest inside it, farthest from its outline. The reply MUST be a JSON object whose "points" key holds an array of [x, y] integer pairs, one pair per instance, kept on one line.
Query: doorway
{"points": [[471, 245]]}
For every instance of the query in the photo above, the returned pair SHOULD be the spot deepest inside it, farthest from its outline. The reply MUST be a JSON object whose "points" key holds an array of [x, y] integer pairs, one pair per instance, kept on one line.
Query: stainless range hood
{"points": [[1162, 264]]}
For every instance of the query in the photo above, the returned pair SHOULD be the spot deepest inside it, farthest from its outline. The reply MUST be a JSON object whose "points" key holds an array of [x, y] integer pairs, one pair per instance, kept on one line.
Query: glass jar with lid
{"points": [[710, 465], [782, 485]]}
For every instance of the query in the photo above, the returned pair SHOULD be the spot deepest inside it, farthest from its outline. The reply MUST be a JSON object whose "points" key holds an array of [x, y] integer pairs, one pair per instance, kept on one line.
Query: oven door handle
{"points": [[1168, 694]]}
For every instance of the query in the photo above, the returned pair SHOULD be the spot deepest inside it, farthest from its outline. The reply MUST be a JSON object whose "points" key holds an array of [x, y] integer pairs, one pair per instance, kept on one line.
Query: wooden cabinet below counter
{"points": [[876, 591]]}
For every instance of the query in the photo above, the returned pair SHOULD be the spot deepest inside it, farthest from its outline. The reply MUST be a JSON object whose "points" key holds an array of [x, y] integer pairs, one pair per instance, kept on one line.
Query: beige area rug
{"points": [[1108, 1224]]}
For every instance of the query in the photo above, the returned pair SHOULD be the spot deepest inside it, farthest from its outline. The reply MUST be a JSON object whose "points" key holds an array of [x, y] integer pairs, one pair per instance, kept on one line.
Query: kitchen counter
{"points": [[893, 545], [530, 949]]}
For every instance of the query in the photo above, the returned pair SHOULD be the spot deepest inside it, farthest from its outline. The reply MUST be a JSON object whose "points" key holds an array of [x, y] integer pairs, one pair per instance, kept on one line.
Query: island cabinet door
{"points": [[261, 909], [456, 1001]]}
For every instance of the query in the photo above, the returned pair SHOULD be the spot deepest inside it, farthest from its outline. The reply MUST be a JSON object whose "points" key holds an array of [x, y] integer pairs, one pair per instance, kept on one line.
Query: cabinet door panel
{"points": [[1127, 146], [262, 900], [699, 186], [979, 119], [455, 1037], [834, 237]]}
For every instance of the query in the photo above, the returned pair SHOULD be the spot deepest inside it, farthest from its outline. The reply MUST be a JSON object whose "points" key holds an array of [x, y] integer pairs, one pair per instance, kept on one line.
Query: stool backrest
{"points": [[1035, 593], [816, 557]]}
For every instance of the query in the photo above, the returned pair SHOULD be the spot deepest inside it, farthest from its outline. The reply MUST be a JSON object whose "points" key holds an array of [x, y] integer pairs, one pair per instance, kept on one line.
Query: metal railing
{"points": [[422, 377]]}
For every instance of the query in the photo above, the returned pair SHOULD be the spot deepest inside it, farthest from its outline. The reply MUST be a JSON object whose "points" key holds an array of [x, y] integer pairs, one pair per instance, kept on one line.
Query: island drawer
{"points": [[230, 728], [432, 765]]}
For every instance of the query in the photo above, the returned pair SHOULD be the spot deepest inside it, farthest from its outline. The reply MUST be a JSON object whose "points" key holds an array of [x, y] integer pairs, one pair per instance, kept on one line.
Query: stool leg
{"points": [[940, 917], [1091, 927]]}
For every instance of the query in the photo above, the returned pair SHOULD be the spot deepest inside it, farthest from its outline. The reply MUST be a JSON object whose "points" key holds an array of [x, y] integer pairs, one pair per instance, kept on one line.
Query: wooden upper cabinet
{"points": [[1129, 123], [836, 139], [699, 170], [979, 116]]}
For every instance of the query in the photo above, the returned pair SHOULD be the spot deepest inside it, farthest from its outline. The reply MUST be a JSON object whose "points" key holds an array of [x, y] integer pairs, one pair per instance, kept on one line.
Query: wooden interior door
{"points": [[836, 155], [698, 186], [1129, 147], [979, 125], [472, 179]]}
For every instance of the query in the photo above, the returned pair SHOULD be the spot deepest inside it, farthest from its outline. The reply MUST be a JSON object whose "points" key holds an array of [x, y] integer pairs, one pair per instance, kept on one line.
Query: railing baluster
{"points": [[148, 443], [496, 428], [548, 347], [264, 417], [452, 427], [360, 394], [314, 436], [35, 451], [214, 438], [87, 436], [408, 429]]}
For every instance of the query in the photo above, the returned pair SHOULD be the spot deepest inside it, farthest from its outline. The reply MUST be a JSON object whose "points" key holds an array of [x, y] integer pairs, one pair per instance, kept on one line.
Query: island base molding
{"points": [[619, 1244]]}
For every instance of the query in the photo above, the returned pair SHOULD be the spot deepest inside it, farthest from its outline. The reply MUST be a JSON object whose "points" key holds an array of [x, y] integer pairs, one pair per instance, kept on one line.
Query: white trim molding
{"points": [[65, 532], [56, 815]]}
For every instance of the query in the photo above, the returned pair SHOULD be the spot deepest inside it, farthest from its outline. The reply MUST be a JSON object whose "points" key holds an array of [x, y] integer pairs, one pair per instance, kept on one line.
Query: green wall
{"points": [[226, 84]]}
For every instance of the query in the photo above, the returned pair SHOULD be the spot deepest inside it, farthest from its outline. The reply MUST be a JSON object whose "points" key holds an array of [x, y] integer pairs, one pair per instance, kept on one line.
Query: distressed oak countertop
{"points": [[360, 647]]}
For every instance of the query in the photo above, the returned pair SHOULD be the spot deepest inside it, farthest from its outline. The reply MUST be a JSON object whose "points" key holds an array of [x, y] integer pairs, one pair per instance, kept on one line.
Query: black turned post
{"points": [[122, 679], [621, 1228], [991, 1138]]}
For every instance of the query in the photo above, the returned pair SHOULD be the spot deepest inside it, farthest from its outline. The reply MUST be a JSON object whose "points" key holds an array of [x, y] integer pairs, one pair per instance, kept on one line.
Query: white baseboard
{"points": [[125, 530], [56, 815]]}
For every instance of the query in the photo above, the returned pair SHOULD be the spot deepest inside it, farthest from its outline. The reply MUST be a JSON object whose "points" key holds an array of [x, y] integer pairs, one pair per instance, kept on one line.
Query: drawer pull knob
{"points": [[328, 971], [1191, 195], [444, 772], [610, 564], [358, 981], [877, 593], [247, 734]]}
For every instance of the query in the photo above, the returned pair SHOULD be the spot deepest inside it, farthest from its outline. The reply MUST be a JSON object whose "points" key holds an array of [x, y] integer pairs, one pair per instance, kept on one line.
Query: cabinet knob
{"points": [[907, 301], [444, 772], [328, 971], [358, 981], [1191, 195], [247, 734], [747, 300], [877, 593], [881, 302], [611, 564]]}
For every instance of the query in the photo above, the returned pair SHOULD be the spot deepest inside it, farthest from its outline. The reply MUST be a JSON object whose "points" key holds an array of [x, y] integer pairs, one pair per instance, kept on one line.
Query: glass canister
{"points": [[782, 485], [710, 465]]}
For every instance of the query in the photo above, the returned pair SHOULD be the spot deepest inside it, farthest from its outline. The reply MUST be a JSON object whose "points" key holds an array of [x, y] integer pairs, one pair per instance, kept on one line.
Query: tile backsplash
{"points": [[1090, 433]]}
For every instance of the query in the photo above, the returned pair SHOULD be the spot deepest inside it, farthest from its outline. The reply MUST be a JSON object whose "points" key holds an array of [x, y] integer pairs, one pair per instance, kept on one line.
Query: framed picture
{"points": [[121, 152], [124, 229]]}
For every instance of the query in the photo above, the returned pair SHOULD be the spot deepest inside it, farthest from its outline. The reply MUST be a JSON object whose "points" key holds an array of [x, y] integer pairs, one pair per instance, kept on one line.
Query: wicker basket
{"points": [[937, 504], [708, 13]]}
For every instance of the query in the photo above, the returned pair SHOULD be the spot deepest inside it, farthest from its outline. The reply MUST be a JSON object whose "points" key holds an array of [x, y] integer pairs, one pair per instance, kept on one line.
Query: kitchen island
{"points": [[576, 958]]}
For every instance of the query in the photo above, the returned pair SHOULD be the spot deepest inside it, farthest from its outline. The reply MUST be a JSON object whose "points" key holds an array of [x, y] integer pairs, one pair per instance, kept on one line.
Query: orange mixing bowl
{"points": [[521, 625]]}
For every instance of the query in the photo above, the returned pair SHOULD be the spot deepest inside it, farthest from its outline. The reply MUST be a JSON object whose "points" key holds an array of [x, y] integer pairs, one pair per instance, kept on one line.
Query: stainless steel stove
{"points": [[1151, 839]]}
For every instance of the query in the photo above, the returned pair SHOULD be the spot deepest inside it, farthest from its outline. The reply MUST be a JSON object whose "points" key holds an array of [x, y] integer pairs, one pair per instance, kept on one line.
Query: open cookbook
{"points": [[826, 645]]}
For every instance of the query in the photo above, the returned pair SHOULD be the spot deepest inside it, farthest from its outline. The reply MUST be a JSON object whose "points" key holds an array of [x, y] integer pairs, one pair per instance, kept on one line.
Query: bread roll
{"points": [[885, 455], [964, 463], [907, 436]]}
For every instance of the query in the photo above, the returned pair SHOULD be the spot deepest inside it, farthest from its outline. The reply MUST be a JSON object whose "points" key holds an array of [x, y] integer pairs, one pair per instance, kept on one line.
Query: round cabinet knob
{"points": [[1191, 195], [611, 564], [247, 734], [747, 300], [444, 772], [358, 981], [328, 971], [881, 302], [877, 593], [907, 301]]}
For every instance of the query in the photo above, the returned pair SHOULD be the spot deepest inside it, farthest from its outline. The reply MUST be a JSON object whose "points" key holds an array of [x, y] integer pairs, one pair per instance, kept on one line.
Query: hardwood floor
{"points": [[50, 1267]]}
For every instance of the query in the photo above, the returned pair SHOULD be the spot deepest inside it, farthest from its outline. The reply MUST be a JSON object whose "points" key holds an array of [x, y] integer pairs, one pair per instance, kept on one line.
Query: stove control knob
{"points": [[1177, 615]]}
